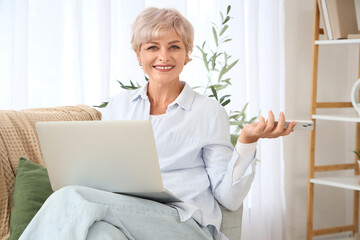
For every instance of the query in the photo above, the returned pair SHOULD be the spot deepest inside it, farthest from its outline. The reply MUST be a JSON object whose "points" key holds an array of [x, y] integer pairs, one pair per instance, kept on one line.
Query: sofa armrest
{"points": [[18, 138], [231, 223]]}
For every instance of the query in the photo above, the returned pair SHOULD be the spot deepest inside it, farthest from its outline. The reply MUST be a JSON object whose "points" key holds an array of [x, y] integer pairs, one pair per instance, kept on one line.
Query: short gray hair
{"points": [[153, 23]]}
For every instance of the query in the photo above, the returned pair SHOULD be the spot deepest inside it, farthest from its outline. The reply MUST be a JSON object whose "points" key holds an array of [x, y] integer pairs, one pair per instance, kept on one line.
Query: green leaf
{"points": [[244, 108], [215, 36], [224, 29], [252, 119], [226, 57], [226, 20], [225, 103], [214, 92], [227, 81], [243, 118], [236, 116], [217, 87], [222, 72], [223, 98], [102, 105], [357, 154], [227, 40], [213, 61], [128, 87], [234, 139], [200, 49], [231, 66], [222, 16], [204, 57], [228, 10]]}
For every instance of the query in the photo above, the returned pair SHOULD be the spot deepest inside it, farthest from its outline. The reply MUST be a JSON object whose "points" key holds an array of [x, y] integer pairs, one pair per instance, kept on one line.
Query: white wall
{"points": [[335, 140]]}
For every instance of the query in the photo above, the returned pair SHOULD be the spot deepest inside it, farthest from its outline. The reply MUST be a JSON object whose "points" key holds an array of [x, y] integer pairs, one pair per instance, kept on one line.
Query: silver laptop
{"points": [[115, 156]]}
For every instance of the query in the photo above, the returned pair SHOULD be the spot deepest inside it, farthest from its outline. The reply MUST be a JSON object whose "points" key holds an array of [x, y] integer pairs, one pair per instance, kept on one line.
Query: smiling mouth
{"points": [[164, 67]]}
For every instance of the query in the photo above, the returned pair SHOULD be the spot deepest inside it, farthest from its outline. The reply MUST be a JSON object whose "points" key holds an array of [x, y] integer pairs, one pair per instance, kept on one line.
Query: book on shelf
{"points": [[354, 36], [325, 19], [338, 18], [342, 16]]}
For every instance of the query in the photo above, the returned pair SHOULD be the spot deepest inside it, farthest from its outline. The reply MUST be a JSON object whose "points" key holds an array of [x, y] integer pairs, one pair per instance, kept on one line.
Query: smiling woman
{"points": [[198, 163], [72, 52]]}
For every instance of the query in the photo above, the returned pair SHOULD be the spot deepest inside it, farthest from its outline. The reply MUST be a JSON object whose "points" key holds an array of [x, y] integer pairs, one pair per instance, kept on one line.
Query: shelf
{"points": [[344, 113], [351, 182], [342, 117], [343, 41]]}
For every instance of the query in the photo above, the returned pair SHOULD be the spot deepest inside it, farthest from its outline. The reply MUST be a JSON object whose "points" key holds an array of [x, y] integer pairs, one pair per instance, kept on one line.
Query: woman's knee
{"points": [[64, 193], [104, 230]]}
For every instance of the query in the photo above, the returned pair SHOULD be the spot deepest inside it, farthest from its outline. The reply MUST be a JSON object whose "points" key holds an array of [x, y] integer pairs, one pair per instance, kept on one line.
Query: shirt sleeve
{"points": [[230, 171], [243, 163]]}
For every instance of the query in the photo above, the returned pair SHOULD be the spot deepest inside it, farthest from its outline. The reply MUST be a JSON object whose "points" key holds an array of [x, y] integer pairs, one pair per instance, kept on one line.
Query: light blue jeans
{"points": [[86, 213]]}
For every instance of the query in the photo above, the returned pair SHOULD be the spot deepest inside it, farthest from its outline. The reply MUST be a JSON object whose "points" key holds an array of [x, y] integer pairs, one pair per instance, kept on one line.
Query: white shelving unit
{"points": [[341, 118], [342, 41], [337, 180], [351, 182]]}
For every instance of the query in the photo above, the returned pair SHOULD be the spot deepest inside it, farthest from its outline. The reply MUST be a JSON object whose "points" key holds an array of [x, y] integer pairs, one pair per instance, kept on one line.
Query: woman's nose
{"points": [[163, 55]]}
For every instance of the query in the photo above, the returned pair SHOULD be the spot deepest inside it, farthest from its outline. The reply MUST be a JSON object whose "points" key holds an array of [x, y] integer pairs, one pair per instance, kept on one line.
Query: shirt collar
{"points": [[184, 100], [141, 93]]}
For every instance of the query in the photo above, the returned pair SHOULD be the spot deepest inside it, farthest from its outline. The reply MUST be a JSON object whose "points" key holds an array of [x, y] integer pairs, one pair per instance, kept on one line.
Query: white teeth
{"points": [[163, 67]]}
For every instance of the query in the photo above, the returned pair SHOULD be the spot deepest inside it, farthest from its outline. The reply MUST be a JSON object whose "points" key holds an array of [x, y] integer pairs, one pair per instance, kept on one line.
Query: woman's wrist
{"points": [[243, 138]]}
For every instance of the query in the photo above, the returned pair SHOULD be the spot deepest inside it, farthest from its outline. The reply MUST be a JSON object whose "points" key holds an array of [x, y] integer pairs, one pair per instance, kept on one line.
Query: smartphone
{"points": [[300, 124]]}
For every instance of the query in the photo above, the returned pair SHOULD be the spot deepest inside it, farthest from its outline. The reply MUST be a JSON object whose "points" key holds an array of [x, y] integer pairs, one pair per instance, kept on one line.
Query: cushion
{"points": [[32, 188]]}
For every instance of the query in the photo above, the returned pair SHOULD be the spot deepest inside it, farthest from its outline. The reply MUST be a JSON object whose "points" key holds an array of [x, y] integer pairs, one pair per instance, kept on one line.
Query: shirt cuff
{"points": [[242, 165]]}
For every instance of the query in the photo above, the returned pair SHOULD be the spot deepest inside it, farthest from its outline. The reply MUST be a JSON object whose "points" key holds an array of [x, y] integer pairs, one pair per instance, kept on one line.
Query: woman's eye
{"points": [[174, 47], [152, 48]]}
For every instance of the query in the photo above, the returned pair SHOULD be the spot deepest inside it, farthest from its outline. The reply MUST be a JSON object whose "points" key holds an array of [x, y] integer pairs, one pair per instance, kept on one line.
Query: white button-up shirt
{"points": [[196, 157]]}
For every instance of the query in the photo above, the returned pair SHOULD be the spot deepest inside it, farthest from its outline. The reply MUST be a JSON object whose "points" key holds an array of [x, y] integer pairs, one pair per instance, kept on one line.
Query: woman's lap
{"points": [[105, 231], [70, 212]]}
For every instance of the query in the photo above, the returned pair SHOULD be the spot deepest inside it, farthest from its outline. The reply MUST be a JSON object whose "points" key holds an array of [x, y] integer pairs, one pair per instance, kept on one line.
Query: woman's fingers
{"points": [[270, 123], [274, 131], [266, 129], [281, 123], [261, 124], [289, 129]]}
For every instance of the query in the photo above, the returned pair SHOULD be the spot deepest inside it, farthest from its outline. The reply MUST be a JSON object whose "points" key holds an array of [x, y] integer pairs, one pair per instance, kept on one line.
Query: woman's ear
{"points": [[138, 57], [187, 59]]}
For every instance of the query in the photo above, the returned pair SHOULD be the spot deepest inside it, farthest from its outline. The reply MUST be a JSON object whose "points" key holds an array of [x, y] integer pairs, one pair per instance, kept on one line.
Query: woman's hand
{"points": [[261, 129]]}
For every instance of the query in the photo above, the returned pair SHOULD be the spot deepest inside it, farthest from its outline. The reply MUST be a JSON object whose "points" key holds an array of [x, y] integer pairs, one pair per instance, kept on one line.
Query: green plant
{"points": [[132, 86], [217, 63], [357, 153]]}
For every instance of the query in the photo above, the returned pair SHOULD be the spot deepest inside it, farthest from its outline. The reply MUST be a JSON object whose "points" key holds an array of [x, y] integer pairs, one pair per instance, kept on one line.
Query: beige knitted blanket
{"points": [[18, 138]]}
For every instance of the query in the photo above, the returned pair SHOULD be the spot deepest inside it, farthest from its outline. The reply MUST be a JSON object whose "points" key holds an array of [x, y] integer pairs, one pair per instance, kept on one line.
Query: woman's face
{"points": [[163, 59]]}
